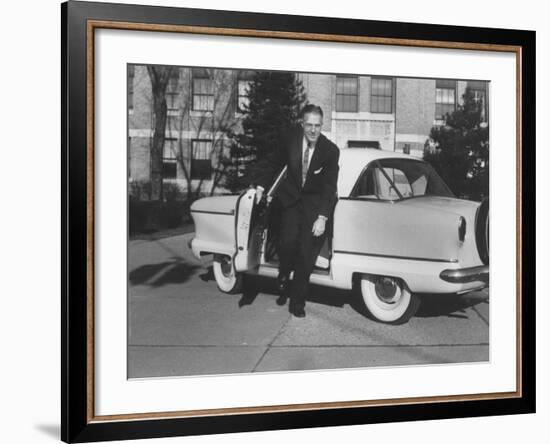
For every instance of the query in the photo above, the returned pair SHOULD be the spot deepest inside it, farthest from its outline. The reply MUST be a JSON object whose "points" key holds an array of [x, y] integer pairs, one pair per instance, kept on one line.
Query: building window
{"points": [[131, 76], [445, 98], [201, 164], [347, 94], [172, 91], [169, 158], [481, 100], [242, 97], [364, 144], [479, 93], [244, 80], [203, 90], [381, 95]]}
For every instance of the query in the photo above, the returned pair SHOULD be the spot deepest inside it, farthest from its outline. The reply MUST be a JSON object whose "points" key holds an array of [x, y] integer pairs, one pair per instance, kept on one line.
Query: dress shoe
{"points": [[281, 300], [297, 312], [282, 284]]}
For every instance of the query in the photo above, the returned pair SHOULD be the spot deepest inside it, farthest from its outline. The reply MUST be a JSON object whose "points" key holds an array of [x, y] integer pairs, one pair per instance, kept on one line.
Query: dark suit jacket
{"points": [[319, 191]]}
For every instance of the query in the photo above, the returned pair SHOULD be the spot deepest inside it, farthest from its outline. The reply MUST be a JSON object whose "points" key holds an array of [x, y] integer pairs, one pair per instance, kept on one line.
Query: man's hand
{"points": [[319, 226], [259, 194]]}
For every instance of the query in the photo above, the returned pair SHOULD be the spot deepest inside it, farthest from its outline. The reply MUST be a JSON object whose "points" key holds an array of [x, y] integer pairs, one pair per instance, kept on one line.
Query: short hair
{"points": [[310, 108]]}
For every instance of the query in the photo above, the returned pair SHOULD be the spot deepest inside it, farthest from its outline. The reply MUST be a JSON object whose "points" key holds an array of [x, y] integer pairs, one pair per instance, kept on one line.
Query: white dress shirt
{"points": [[311, 151], [304, 148]]}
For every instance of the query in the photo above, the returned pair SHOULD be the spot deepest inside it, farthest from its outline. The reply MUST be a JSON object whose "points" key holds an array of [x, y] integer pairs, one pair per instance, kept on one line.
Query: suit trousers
{"points": [[298, 249]]}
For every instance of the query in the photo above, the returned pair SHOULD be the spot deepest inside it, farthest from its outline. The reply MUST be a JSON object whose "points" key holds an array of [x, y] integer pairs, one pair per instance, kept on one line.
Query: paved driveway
{"points": [[180, 324]]}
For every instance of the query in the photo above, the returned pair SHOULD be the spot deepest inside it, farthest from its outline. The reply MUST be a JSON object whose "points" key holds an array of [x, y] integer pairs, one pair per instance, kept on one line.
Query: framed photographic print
{"points": [[275, 221]]}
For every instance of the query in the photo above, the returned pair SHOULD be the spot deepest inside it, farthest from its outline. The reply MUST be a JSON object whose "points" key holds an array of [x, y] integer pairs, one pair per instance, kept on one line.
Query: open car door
{"points": [[248, 235], [250, 226]]}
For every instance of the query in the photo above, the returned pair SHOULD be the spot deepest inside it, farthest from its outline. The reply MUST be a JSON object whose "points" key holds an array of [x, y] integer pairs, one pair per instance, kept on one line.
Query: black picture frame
{"points": [[78, 423]]}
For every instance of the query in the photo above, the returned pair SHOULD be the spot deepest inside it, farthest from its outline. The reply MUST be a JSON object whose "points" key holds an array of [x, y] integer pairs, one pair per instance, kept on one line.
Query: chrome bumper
{"points": [[465, 275]]}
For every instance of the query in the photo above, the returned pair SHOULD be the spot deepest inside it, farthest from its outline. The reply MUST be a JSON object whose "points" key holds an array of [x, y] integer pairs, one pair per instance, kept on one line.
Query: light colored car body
{"points": [[414, 239]]}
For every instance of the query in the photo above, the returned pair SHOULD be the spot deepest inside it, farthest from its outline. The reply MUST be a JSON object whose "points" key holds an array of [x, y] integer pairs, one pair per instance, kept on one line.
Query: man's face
{"points": [[312, 124]]}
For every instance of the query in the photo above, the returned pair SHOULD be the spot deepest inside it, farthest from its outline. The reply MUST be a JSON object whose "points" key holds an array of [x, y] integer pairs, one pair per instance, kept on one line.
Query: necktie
{"points": [[305, 162]]}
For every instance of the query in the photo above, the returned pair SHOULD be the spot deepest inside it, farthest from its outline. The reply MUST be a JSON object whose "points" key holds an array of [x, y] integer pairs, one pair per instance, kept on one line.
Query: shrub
{"points": [[172, 192], [139, 190], [459, 150], [151, 216]]}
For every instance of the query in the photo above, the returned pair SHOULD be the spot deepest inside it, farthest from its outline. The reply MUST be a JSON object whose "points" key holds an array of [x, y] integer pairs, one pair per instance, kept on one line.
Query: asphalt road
{"points": [[181, 324]]}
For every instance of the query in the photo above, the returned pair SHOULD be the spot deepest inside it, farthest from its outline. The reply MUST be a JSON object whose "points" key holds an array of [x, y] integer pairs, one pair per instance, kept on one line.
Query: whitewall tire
{"points": [[388, 299], [227, 279]]}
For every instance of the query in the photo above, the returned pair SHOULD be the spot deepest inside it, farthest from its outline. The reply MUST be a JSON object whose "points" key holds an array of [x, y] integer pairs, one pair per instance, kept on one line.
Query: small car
{"points": [[397, 232]]}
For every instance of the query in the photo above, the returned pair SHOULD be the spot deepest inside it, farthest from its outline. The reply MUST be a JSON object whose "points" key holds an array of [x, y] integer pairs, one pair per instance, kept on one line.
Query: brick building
{"points": [[388, 113]]}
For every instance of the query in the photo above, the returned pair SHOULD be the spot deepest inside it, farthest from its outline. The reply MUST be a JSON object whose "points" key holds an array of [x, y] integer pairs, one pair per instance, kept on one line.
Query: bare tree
{"points": [[159, 76], [212, 125]]}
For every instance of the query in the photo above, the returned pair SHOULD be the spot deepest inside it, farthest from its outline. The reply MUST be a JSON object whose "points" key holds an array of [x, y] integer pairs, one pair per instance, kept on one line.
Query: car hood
{"points": [[461, 207]]}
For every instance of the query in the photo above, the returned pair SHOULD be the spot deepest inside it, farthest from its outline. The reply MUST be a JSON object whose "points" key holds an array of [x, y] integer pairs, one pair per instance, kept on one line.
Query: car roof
{"points": [[354, 160]]}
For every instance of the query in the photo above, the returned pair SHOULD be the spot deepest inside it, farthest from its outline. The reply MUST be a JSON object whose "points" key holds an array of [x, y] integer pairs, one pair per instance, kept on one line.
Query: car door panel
{"points": [[248, 235], [386, 228]]}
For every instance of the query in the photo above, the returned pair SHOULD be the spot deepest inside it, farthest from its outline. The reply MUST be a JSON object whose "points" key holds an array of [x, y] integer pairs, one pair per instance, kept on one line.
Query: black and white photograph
{"points": [[295, 221], [266, 222]]}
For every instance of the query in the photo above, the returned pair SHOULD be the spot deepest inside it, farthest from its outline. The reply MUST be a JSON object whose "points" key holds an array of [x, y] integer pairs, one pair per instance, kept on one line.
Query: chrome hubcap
{"points": [[387, 290], [226, 267]]}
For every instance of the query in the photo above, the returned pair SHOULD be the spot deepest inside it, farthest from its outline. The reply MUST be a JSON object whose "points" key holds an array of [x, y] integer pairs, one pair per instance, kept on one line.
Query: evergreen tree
{"points": [[459, 150], [274, 103]]}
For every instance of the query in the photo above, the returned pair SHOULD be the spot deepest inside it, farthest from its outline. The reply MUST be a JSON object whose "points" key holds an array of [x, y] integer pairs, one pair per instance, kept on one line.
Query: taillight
{"points": [[482, 231], [461, 229]]}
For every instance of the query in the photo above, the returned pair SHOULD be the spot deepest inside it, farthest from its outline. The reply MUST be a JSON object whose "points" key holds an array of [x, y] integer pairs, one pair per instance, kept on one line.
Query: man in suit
{"points": [[307, 196]]}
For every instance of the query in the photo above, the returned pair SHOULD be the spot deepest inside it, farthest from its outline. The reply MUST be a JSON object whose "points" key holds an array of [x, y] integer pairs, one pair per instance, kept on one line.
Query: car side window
{"points": [[374, 184], [366, 186], [420, 185], [397, 178], [385, 190]]}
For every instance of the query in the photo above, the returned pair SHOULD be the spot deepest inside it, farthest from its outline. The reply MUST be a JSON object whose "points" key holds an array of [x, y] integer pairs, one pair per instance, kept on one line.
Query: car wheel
{"points": [[388, 299], [228, 280]]}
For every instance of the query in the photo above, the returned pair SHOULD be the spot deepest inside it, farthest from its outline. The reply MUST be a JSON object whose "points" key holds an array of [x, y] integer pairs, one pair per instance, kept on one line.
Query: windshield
{"points": [[395, 179]]}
